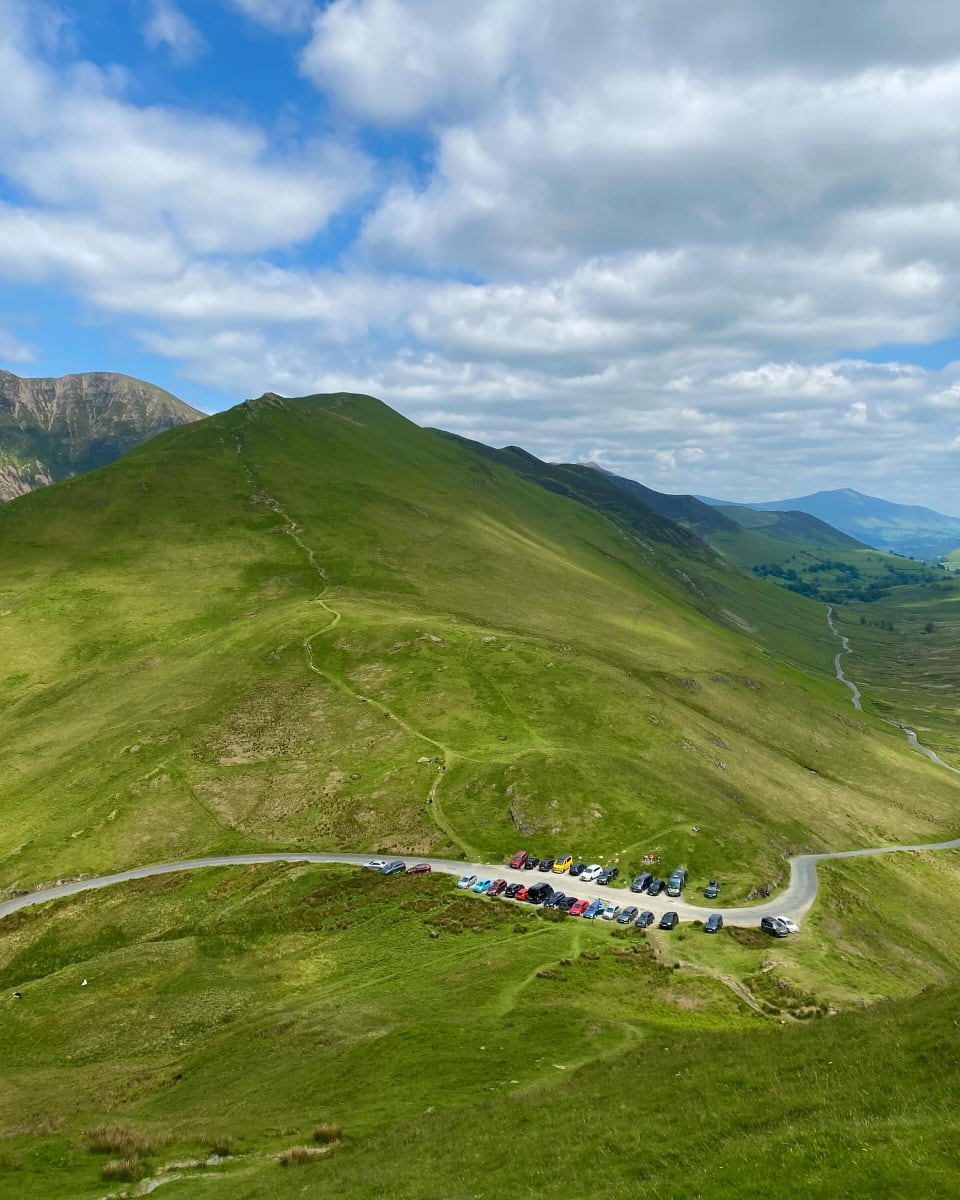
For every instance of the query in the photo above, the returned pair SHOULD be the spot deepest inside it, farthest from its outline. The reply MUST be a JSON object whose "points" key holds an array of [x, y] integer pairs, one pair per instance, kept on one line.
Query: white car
{"points": [[591, 874], [466, 881], [792, 926], [375, 864]]}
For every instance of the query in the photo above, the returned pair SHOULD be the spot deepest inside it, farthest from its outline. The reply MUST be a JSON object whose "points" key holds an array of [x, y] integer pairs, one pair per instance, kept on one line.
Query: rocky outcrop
{"points": [[51, 429]]}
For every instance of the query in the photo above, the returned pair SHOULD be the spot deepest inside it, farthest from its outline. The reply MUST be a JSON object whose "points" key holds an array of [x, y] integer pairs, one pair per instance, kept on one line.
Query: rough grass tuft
{"points": [[117, 1139], [327, 1134], [295, 1156], [125, 1170]]}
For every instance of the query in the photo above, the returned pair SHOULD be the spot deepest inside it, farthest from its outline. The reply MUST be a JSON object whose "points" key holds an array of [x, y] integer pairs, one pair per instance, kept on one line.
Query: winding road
{"points": [[793, 902]]}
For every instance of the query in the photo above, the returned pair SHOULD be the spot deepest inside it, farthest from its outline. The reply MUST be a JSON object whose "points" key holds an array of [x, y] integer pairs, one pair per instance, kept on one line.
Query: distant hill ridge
{"points": [[52, 428], [898, 528]]}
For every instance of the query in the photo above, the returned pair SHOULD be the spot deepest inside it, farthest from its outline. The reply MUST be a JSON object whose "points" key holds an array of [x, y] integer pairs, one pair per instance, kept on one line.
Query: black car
{"points": [[546, 864], [626, 915], [712, 890], [553, 901], [577, 868], [714, 923], [539, 893], [641, 882], [655, 887], [774, 927], [396, 867], [669, 920], [645, 920], [531, 863], [608, 876], [567, 903], [512, 890]]}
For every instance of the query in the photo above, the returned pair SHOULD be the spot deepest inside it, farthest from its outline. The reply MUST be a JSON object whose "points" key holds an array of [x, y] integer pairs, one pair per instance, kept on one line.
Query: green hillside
{"points": [[453, 1044], [602, 682], [273, 628], [802, 554]]}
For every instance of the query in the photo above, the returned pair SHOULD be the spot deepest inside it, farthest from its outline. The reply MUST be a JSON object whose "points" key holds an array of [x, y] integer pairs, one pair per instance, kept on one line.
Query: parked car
{"points": [[712, 890], [669, 920], [609, 875], [375, 864], [641, 882], [626, 915], [713, 924], [577, 868], [512, 890], [553, 901], [568, 902], [466, 881], [518, 861], [579, 907], [645, 920], [546, 864], [539, 893], [791, 926], [481, 885], [520, 893], [497, 888], [655, 887], [396, 867], [419, 869], [531, 862], [609, 911], [774, 926], [563, 864], [592, 873], [676, 882], [593, 909]]}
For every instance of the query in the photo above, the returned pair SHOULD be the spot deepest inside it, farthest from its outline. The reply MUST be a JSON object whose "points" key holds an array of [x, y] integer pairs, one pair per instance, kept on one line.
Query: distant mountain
{"points": [[51, 429], [899, 528], [791, 526]]}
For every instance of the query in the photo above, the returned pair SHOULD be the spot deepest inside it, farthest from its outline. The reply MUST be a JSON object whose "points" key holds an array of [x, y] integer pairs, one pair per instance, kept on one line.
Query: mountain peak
{"points": [[52, 428]]}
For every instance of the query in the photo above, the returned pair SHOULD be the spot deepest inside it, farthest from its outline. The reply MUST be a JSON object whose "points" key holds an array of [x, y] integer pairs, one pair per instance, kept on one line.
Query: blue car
{"points": [[593, 910], [481, 885]]}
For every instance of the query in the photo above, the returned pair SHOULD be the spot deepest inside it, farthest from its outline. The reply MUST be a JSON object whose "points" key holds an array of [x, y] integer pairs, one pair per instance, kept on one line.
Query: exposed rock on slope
{"points": [[53, 428]]}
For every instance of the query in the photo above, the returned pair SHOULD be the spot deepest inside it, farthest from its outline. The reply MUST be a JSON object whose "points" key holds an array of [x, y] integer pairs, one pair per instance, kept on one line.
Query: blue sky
{"points": [[702, 245]]}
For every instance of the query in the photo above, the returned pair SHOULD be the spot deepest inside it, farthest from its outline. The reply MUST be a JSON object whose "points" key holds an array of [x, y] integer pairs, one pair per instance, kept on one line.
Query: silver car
{"points": [[610, 911]]}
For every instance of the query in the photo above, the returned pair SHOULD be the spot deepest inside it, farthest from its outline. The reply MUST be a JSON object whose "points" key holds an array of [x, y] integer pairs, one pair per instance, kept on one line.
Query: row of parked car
{"points": [[543, 893], [523, 860]]}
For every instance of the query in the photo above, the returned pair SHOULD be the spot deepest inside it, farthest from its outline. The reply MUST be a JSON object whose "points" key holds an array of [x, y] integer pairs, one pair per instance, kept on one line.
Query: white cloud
{"points": [[75, 143], [658, 234], [284, 16], [168, 26], [13, 350]]}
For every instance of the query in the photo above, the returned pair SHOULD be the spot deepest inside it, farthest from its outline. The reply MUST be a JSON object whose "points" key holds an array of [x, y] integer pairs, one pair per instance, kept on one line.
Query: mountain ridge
{"points": [[54, 427], [908, 529]]}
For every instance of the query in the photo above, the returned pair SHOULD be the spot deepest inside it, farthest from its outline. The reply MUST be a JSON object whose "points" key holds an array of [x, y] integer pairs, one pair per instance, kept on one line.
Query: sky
{"points": [[714, 247]]}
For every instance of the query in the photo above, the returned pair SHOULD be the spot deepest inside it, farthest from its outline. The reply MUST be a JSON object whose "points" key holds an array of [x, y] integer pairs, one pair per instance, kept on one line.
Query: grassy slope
{"points": [[250, 1004], [589, 687], [770, 539], [911, 675]]}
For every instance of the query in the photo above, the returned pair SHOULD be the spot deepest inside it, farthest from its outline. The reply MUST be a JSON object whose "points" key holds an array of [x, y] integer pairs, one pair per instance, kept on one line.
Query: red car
{"points": [[521, 894], [518, 860], [419, 869], [497, 888], [579, 908]]}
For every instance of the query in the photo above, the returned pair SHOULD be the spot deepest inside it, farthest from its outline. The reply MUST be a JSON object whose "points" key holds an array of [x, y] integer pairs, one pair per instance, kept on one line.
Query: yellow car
{"points": [[562, 865]]}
